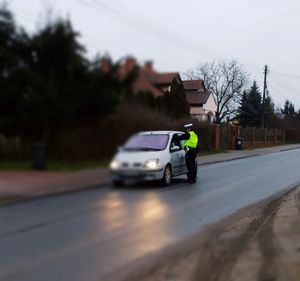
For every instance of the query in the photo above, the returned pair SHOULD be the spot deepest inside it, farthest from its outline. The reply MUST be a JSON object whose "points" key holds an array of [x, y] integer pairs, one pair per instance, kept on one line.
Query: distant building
{"points": [[148, 79], [203, 105]]}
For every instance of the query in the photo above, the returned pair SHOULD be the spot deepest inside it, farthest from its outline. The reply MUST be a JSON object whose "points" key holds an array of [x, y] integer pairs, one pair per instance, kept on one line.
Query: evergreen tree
{"points": [[46, 82], [290, 116], [269, 112], [243, 111], [45, 86], [7, 41], [174, 101], [250, 107], [12, 66], [288, 110]]}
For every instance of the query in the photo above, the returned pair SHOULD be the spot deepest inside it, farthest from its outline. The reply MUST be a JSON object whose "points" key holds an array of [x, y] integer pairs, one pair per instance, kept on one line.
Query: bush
{"points": [[100, 140], [10, 148]]}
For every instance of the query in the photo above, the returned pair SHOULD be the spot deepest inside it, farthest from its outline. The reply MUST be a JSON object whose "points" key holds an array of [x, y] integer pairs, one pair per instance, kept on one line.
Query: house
{"points": [[148, 79], [203, 105]]}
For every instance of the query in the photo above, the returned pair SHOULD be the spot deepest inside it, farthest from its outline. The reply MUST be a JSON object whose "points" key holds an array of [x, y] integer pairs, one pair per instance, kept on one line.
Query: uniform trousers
{"points": [[190, 160]]}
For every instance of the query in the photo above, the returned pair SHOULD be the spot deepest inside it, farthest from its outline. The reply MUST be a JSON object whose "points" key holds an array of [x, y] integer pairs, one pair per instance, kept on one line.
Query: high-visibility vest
{"points": [[192, 142]]}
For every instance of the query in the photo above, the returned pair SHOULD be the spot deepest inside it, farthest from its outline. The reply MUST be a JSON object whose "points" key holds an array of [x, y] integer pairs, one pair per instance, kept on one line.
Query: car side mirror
{"points": [[174, 148]]}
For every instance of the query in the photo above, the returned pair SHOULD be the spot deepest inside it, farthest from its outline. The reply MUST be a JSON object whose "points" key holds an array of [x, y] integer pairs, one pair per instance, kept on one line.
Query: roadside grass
{"points": [[15, 165], [53, 165]]}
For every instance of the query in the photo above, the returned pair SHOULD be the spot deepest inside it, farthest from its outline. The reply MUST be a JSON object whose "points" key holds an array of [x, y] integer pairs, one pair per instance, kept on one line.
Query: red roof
{"points": [[164, 78], [194, 85], [197, 97], [148, 79], [141, 85]]}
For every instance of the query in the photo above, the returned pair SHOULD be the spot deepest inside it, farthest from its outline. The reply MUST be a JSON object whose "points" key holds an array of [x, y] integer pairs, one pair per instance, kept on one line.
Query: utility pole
{"points": [[264, 96]]}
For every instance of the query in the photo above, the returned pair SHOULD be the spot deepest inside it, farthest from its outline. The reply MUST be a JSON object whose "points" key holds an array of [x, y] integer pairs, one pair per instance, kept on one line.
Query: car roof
{"points": [[159, 132]]}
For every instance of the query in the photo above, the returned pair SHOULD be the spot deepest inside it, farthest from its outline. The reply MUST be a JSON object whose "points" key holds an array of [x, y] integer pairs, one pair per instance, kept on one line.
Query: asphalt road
{"points": [[87, 235]]}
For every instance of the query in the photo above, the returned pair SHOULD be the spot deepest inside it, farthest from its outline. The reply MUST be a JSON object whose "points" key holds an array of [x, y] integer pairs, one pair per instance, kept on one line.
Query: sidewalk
{"points": [[17, 186], [239, 154]]}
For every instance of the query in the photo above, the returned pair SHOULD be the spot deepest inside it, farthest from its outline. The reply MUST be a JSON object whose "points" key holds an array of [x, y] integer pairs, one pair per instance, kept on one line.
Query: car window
{"points": [[155, 142], [176, 142]]}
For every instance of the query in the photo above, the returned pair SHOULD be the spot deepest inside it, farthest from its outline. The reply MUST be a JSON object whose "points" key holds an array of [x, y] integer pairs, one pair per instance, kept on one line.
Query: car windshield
{"points": [[155, 142]]}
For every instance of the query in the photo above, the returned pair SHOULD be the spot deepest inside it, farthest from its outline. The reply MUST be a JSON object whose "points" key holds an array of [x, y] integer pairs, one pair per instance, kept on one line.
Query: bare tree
{"points": [[226, 80]]}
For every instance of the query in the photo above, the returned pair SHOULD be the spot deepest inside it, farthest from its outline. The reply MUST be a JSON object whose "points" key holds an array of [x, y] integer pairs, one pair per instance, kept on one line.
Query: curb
{"points": [[228, 160], [13, 199], [247, 156], [287, 149]]}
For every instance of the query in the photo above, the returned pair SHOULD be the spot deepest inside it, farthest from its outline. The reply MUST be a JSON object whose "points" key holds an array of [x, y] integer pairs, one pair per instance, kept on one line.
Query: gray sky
{"points": [[178, 35]]}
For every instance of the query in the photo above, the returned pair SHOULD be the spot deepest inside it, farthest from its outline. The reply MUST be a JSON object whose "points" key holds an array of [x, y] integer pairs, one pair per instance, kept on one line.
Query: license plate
{"points": [[130, 174]]}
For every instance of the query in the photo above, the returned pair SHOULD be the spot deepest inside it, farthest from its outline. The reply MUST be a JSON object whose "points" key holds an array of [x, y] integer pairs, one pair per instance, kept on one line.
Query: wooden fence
{"points": [[226, 137]]}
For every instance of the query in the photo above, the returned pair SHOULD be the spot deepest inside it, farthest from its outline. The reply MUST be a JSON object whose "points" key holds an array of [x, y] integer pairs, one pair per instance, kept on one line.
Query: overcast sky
{"points": [[177, 35]]}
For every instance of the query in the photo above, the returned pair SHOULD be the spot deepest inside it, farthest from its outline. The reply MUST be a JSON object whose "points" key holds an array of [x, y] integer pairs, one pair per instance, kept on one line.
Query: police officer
{"points": [[191, 146]]}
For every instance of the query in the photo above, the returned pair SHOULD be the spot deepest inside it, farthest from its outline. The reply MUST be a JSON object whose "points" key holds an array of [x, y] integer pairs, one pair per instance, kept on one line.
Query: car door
{"points": [[181, 155], [177, 157]]}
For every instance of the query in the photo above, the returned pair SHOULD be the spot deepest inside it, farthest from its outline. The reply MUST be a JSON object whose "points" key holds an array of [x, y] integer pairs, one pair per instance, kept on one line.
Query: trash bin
{"points": [[39, 156], [239, 143]]}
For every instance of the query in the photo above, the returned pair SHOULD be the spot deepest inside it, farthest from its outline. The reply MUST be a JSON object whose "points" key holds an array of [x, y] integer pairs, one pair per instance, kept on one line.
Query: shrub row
{"points": [[100, 140]]}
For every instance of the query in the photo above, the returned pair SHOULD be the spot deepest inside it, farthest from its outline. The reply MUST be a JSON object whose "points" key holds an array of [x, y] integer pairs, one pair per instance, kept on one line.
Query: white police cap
{"points": [[188, 126]]}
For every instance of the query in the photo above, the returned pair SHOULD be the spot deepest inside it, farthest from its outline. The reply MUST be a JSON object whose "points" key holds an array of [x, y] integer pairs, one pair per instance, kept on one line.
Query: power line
{"points": [[134, 20], [124, 11], [285, 75], [286, 86], [216, 52], [144, 20], [141, 23], [282, 86], [142, 26], [123, 14], [273, 89], [107, 12], [122, 8]]}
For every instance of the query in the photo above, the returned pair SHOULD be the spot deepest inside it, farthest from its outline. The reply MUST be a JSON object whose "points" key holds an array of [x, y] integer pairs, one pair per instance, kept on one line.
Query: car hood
{"points": [[138, 156]]}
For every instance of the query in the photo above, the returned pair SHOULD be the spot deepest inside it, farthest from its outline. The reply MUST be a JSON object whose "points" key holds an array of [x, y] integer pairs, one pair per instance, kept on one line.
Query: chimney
{"points": [[105, 64], [130, 63], [148, 65]]}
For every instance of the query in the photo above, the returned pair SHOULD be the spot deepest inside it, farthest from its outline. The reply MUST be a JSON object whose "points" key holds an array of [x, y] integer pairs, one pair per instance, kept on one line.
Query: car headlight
{"points": [[151, 164], [114, 165]]}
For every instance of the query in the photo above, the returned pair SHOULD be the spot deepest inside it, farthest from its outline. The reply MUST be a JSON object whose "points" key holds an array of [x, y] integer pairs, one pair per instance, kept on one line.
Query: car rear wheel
{"points": [[167, 176]]}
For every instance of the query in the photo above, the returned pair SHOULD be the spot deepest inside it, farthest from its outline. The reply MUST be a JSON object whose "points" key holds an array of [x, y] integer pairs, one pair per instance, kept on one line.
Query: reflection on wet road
{"points": [[86, 235]]}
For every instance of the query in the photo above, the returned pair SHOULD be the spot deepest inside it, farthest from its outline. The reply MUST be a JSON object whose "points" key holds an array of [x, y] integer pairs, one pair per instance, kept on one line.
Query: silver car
{"points": [[155, 155]]}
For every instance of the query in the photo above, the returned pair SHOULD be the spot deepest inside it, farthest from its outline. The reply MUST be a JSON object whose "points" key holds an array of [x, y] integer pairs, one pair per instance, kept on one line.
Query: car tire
{"points": [[167, 176], [118, 183]]}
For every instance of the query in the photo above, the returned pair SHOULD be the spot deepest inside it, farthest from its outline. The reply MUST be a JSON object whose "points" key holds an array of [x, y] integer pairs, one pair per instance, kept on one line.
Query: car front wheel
{"points": [[167, 176]]}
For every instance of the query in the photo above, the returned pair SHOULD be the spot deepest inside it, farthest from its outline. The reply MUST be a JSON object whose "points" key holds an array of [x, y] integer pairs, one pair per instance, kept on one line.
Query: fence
{"points": [[293, 135], [94, 143], [226, 137]]}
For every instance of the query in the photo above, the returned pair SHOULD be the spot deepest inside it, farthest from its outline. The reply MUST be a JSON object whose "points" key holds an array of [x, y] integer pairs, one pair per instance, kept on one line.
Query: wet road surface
{"points": [[87, 235]]}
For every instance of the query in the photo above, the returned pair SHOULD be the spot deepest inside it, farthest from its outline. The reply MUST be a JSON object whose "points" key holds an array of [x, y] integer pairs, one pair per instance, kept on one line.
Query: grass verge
{"points": [[53, 165]]}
